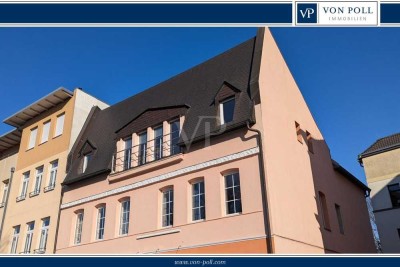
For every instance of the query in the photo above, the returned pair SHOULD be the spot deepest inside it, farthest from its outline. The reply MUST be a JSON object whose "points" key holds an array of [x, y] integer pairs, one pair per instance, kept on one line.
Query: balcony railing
{"points": [[34, 193], [21, 197], [153, 150]]}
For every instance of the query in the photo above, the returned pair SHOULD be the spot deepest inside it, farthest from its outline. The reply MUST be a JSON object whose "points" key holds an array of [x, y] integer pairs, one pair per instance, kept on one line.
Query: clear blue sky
{"points": [[350, 77]]}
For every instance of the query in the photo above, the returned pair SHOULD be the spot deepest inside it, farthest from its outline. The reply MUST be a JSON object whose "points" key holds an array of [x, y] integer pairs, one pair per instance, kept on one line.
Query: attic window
{"points": [[226, 110], [86, 159]]}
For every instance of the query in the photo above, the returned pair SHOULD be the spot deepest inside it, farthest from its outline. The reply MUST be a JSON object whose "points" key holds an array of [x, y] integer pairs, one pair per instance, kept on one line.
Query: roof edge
{"points": [[339, 168]]}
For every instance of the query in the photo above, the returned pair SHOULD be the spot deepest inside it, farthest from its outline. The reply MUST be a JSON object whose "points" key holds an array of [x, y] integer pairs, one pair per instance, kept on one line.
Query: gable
{"points": [[227, 90]]}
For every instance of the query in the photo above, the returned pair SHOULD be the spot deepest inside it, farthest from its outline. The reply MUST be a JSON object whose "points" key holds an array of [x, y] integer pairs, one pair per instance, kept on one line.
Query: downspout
{"points": [[267, 223], [6, 204], [58, 220]]}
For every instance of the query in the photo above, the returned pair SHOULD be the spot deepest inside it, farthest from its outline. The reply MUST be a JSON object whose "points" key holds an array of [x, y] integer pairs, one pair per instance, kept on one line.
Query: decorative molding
{"points": [[159, 178], [174, 231]]}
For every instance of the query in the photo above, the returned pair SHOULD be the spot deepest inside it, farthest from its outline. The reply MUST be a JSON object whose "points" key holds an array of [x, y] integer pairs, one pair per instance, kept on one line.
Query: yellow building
{"points": [[49, 128]]}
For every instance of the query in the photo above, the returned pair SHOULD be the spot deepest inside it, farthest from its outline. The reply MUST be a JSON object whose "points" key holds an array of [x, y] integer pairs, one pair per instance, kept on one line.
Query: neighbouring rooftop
{"points": [[382, 145]]}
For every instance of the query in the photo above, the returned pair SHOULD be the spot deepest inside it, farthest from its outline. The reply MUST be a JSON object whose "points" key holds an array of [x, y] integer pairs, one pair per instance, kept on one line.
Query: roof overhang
{"points": [[9, 140], [337, 167], [42, 105]]}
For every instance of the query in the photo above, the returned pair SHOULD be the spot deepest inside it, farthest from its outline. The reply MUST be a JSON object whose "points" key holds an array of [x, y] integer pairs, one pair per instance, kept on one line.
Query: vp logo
{"points": [[306, 13]]}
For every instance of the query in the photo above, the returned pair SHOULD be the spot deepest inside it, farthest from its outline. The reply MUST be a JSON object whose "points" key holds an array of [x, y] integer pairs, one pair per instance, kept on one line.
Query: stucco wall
{"points": [[145, 207], [295, 175]]}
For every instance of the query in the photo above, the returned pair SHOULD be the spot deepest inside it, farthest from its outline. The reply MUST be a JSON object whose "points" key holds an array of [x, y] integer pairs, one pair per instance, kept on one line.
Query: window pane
{"points": [[236, 180], [238, 206], [229, 107], [45, 132], [230, 207], [229, 194], [32, 138], [59, 125], [174, 137], [237, 192], [228, 181]]}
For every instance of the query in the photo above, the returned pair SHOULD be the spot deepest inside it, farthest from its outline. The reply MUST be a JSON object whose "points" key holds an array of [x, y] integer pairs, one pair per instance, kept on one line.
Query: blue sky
{"points": [[350, 77]]}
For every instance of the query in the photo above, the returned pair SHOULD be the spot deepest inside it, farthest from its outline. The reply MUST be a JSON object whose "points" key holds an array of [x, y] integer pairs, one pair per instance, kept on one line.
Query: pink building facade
{"points": [[223, 158]]}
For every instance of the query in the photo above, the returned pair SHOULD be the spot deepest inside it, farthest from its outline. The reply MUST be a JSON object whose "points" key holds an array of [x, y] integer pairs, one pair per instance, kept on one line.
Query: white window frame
{"points": [[5, 192], [32, 138], [53, 174], [59, 129], [24, 185], [86, 159], [142, 153], [158, 151], [45, 132], [128, 143], [167, 211], [196, 199], [78, 227], [44, 233], [235, 198], [124, 218], [38, 180], [221, 109], [101, 220], [15, 238], [30, 227]]}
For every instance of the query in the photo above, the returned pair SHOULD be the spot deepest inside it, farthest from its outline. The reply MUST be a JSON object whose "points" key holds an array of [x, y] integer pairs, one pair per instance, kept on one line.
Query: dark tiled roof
{"points": [[381, 145], [337, 167], [194, 88]]}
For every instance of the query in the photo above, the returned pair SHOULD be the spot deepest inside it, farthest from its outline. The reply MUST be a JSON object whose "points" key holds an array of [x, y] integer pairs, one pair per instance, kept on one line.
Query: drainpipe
{"points": [[6, 204], [267, 223]]}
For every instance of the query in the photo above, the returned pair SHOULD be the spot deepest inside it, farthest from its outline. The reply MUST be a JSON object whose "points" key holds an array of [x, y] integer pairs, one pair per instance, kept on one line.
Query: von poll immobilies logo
{"points": [[347, 13]]}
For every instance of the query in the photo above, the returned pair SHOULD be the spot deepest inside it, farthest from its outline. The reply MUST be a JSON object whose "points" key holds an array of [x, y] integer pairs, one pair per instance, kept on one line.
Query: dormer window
{"points": [[86, 160], [226, 110]]}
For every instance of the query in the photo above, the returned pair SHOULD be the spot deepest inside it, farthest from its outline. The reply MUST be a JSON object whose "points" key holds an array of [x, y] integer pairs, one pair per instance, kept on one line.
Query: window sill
{"points": [[20, 198], [39, 251], [198, 221], [49, 188], [54, 137], [233, 214], [29, 149], [148, 167], [34, 193], [43, 143]]}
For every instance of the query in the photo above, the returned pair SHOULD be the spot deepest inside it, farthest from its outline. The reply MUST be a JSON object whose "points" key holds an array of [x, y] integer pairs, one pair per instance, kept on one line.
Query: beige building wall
{"points": [[8, 160], [295, 174], [45, 204], [382, 170]]}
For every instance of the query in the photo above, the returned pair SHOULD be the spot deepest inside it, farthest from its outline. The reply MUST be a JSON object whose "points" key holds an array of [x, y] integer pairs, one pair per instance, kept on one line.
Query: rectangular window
{"points": [[53, 175], [101, 220], [158, 143], [298, 132], [324, 209], [198, 201], [59, 125], [226, 109], [44, 232], [142, 148], [168, 207], [174, 137], [32, 138], [78, 228], [24, 187], [86, 159], [128, 153], [38, 181], [309, 142], [124, 220], [233, 195], [339, 218], [4, 196], [394, 191], [14, 241], [29, 235], [45, 132]]}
